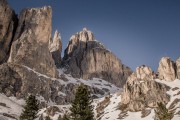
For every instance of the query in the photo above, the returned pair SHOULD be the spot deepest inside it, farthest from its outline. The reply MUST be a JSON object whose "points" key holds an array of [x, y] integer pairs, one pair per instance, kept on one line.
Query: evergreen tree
{"points": [[162, 113], [81, 106], [47, 118], [65, 117], [30, 109]]}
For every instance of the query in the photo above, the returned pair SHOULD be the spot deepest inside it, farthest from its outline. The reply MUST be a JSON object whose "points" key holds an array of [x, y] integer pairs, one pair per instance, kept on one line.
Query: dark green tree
{"points": [[47, 118], [30, 109], [162, 113], [65, 117], [81, 106]]}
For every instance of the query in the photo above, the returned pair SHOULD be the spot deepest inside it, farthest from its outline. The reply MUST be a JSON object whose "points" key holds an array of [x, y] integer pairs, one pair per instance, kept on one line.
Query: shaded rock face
{"points": [[178, 68], [8, 24], [20, 81], [30, 46], [55, 47], [166, 69], [87, 58], [141, 91]]}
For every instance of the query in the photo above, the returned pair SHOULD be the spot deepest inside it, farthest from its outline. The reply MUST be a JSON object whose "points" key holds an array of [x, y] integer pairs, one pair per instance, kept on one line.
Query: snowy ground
{"points": [[110, 103], [105, 107], [10, 107]]}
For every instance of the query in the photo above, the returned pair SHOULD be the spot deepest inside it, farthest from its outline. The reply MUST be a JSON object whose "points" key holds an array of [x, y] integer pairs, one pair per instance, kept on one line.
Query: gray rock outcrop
{"points": [[141, 91], [178, 68], [87, 58], [142, 73], [166, 69], [8, 24], [55, 47], [31, 41]]}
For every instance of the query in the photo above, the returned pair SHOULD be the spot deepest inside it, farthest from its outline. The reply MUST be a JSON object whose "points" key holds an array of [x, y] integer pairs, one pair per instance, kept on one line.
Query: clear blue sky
{"points": [[137, 31]]}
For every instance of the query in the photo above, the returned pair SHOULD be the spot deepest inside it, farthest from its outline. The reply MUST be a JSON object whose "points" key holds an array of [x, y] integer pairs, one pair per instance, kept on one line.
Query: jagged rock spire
{"points": [[84, 35], [30, 46], [87, 58], [55, 48], [166, 69], [8, 24]]}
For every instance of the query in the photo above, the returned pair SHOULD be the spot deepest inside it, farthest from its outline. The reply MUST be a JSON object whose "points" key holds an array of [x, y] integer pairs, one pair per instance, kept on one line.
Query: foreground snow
{"points": [[9, 108]]}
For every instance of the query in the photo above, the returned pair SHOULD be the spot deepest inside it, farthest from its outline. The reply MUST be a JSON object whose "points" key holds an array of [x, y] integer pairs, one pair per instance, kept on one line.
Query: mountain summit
{"points": [[87, 58]]}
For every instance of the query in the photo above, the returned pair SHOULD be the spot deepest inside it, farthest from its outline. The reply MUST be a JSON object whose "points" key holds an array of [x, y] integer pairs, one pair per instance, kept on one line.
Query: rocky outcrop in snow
{"points": [[141, 91], [87, 58], [30, 46], [8, 24], [166, 69], [142, 73], [55, 48], [178, 68]]}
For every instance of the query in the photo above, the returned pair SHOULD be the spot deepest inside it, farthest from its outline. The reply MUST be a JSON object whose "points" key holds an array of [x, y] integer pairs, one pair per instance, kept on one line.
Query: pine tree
{"points": [[81, 106], [162, 113], [30, 109], [47, 118], [65, 117]]}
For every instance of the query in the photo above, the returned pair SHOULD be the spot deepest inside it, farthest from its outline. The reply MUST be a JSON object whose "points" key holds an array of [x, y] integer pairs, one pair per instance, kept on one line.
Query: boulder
{"points": [[166, 69]]}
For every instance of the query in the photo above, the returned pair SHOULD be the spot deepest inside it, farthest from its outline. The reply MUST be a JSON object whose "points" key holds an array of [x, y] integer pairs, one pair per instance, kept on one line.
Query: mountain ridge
{"points": [[35, 66]]}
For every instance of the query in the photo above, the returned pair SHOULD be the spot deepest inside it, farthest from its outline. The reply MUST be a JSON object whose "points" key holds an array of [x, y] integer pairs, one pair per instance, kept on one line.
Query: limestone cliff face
{"points": [[8, 24], [141, 91], [87, 58], [55, 47], [167, 69], [30, 46], [142, 73], [178, 68]]}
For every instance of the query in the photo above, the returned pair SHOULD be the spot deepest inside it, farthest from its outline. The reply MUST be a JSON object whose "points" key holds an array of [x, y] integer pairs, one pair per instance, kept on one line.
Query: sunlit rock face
{"points": [[142, 73], [30, 46], [178, 68], [141, 91], [8, 24], [55, 47], [167, 69], [86, 58]]}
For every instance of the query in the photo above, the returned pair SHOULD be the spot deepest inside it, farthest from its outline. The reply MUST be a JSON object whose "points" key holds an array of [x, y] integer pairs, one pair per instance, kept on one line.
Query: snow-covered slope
{"points": [[10, 108], [112, 112], [107, 108]]}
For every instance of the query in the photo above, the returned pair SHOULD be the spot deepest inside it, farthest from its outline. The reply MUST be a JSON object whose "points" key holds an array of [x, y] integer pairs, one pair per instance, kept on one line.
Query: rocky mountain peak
{"points": [[84, 35], [30, 46], [8, 25], [142, 91], [55, 47], [142, 73], [178, 68], [35, 19], [167, 69], [87, 58], [85, 29], [56, 42]]}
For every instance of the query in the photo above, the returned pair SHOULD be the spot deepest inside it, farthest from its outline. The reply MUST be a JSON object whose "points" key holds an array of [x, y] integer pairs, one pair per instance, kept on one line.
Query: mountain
{"points": [[31, 63], [87, 58], [8, 25]]}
